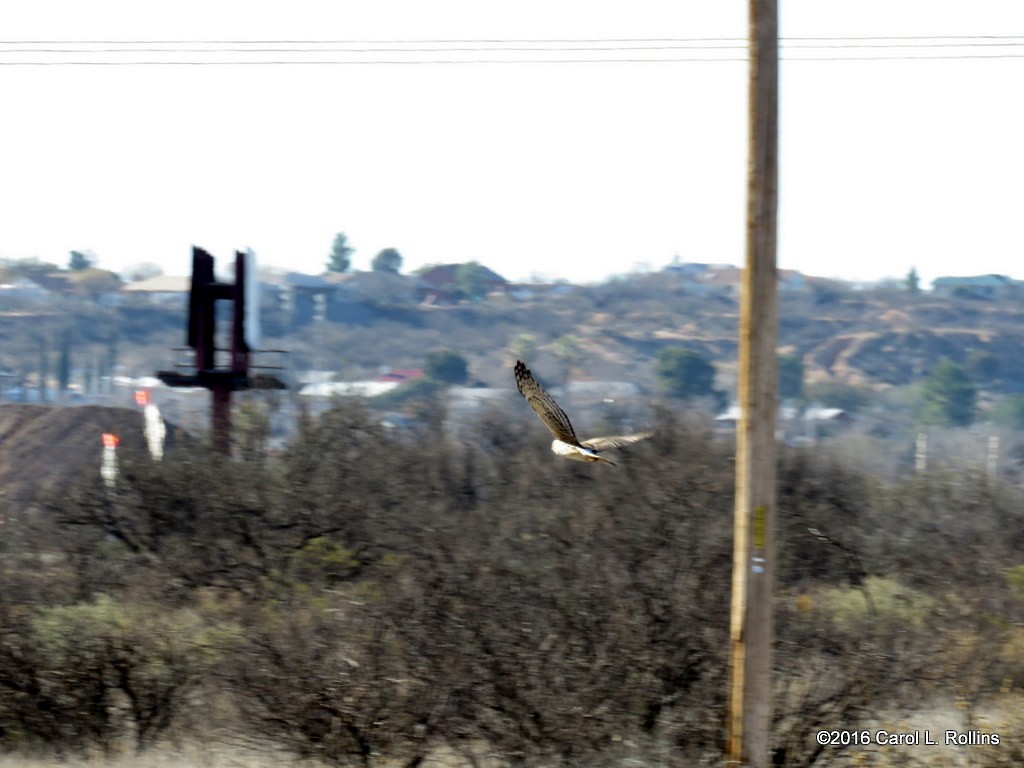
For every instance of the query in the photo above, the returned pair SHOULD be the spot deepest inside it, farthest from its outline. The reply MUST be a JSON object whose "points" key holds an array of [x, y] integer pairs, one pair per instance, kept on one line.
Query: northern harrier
{"points": [[566, 444]]}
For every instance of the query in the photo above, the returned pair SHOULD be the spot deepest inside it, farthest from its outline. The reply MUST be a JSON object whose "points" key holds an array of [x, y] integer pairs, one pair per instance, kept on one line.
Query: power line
{"points": [[448, 52], [357, 62], [306, 49], [497, 41], [147, 48], [419, 62]]}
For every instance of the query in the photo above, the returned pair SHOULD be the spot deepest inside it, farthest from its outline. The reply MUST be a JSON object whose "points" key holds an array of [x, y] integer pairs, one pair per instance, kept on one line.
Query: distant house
{"points": [[321, 384], [440, 283], [381, 287], [792, 424], [338, 297], [304, 298], [822, 415], [820, 422], [303, 295], [730, 417], [300, 281], [401, 375], [987, 287], [166, 290], [346, 388]]}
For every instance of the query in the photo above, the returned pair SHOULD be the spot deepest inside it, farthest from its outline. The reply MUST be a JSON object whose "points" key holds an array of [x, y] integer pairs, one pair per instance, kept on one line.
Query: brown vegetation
{"points": [[369, 595]]}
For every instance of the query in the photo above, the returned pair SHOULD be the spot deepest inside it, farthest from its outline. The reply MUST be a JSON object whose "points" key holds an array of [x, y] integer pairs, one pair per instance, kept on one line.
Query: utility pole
{"points": [[750, 630]]}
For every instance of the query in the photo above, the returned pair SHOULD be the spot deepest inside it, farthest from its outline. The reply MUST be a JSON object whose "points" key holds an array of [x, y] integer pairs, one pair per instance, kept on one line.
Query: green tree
{"points": [[471, 280], [388, 260], [791, 377], [80, 260], [912, 283], [447, 366], [948, 396], [685, 374], [341, 254]]}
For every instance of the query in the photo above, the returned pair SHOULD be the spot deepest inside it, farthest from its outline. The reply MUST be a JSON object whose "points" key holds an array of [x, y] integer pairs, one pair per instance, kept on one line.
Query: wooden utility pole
{"points": [[750, 631]]}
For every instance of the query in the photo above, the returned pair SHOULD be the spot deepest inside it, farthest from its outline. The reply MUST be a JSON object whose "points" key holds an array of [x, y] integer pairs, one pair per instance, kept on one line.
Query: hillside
{"points": [[879, 338], [873, 338]]}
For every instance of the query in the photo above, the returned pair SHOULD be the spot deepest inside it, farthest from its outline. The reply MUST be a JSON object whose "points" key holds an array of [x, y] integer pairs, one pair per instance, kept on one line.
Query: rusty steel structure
{"points": [[239, 372]]}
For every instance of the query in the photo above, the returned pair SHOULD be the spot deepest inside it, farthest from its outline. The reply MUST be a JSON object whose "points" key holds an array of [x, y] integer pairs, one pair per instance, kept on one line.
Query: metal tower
{"points": [[237, 371]]}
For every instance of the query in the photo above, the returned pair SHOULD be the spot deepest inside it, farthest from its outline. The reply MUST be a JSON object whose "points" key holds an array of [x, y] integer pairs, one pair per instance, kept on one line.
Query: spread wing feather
{"points": [[615, 441], [544, 405]]}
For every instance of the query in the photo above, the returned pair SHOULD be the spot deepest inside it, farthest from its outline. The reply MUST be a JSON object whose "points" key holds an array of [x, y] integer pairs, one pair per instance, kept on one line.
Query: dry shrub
{"points": [[375, 593]]}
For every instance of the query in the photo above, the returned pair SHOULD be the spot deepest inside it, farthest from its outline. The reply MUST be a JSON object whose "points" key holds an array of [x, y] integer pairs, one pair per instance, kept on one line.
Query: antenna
{"points": [[222, 380]]}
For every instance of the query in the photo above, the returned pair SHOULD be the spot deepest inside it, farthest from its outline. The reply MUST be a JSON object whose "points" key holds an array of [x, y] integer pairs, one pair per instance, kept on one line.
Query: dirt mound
{"points": [[41, 446]]}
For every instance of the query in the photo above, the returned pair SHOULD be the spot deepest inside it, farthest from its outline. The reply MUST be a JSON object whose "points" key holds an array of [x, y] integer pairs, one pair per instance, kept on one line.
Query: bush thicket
{"points": [[367, 594]]}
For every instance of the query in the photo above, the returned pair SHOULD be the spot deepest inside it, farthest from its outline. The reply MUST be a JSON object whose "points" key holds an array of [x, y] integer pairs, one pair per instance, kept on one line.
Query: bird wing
{"points": [[615, 441], [544, 405]]}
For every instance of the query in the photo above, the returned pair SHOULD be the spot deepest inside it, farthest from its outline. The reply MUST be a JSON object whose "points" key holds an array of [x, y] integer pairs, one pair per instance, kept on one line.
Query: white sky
{"points": [[563, 170]]}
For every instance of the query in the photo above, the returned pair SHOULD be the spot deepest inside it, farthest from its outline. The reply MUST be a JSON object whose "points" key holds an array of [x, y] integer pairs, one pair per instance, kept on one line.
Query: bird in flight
{"points": [[566, 444]]}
